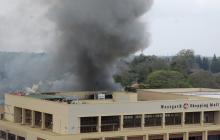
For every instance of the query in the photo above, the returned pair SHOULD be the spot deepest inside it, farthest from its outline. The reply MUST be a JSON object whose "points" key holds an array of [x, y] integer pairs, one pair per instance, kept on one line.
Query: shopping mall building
{"points": [[165, 114]]}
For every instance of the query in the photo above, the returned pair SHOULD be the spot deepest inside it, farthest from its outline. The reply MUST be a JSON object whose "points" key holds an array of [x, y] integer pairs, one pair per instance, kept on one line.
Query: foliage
{"points": [[167, 79], [202, 79]]}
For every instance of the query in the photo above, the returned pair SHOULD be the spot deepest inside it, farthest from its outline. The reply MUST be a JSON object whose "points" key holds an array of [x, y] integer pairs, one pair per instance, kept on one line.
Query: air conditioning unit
{"points": [[101, 96]]}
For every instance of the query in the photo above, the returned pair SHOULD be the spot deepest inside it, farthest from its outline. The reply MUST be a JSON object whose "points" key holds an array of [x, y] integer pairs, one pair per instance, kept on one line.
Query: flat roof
{"points": [[90, 97]]}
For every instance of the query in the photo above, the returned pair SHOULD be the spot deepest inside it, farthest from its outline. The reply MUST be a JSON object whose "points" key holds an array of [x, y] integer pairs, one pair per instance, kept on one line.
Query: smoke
{"points": [[94, 34], [83, 41]]}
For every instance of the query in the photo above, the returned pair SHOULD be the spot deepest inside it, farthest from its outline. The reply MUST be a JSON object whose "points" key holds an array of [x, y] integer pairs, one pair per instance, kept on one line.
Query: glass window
{"points": [[3, 135], [110, 123], [192, 117], [153, 119], [132, 121], [173, 119], [88, 124], [209, 117], [11, 136]]}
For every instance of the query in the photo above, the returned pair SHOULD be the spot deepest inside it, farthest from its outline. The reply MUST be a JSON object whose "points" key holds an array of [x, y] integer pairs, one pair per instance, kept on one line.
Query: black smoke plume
{"points": [[92, 35]]}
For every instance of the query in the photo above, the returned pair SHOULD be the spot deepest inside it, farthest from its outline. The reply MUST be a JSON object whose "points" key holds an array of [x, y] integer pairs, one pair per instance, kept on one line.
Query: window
{"points": [[11, 136], [38, 120], [132, 121], [153, 120], [3, 135], [209, 117], [173, 119], [28, 116], [88, 124], [192, 117], [20, 138], [48, 121], [110, 123]]}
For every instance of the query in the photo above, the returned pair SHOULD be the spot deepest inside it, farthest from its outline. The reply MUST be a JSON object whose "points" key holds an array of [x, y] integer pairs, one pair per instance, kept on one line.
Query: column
{"points": [[202, 118], [183, 119], [163, 120], [99, 123], [166, 136], [23, 118], [125, 138], [142, 121], [186, 136], [121, 122], [103, 138], [205, 135], [32, 118], [42, 120], [146, 137]]}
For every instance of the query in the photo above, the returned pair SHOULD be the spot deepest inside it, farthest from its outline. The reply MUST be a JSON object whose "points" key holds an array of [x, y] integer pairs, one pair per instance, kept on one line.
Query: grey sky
{"points": [[174, 25]]}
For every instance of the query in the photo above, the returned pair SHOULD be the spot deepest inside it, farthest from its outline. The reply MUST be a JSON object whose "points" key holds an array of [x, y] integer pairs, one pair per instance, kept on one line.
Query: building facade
{"points": [[175, 114]]}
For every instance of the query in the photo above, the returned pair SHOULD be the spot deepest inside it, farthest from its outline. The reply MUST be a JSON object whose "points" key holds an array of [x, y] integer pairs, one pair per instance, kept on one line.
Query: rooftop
{"points": [[100, 97]]}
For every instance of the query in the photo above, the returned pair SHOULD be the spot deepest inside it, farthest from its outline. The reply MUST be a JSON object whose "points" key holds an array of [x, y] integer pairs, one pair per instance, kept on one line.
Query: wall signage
{"points": [[190, 106]]}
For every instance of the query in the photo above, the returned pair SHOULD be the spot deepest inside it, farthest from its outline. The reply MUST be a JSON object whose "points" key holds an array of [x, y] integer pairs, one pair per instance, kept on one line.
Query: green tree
{"points": [[184, 61], [167, 79], [205, 64], [202, 79], [215, 65]]}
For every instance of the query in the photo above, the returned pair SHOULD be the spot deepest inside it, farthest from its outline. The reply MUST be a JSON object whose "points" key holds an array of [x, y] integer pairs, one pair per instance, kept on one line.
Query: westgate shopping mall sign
{"points": [[191, 106]]}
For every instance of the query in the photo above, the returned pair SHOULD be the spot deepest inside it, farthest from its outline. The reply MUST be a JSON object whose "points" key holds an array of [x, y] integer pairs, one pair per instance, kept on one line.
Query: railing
{"points": [[110, 127], [88, 128]]}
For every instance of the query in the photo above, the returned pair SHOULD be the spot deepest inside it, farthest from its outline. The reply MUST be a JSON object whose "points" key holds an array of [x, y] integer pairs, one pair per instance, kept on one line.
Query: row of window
{"points": [[112, 123], [9, 136]]}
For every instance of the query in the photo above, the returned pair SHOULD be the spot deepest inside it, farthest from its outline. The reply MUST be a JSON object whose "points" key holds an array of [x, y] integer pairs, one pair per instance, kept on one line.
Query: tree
{"points": [[167, 79], [184, 61], [205, 64], [202, 79], [215, 65]]}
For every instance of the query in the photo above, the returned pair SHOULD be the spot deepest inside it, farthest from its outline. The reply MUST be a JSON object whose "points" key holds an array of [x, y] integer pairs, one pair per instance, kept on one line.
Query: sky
{"points": [[173, 24]]}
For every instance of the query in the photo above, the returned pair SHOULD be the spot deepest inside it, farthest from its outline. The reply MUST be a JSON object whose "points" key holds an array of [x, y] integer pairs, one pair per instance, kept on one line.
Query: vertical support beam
{"points": [[142, 121], [163, 121], [23, 116], [146, 137], [42, 120], [32, 118], [6, 135], [183, 119], [103, 138], [166, 136], [121, 122], [99, 123], [205, 135], [202, 118], [186, 136], [16, 137], [125, 138]]}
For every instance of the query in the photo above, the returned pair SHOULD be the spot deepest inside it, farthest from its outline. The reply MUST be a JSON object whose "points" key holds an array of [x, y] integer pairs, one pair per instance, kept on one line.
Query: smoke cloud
{"points": [[84, 40], [95, 34]]}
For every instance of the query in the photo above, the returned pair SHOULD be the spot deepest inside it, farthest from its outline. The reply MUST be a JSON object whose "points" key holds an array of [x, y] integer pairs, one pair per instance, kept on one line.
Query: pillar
{"points": [[125, 138], [103, 138], [205, 135], [42, 120], [23, 118], [121, 122], [142, 121], [166, 136], [32, 118], [202, 118], [99, 123], [163, 120], [186, 136], [183, 119], [146, 137]]}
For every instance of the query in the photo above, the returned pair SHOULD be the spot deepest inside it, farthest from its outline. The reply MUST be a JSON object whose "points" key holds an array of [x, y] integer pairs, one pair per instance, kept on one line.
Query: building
{"points": [[165, 114]]}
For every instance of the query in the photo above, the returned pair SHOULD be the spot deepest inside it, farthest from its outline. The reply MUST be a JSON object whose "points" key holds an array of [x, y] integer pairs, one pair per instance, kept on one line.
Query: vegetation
{"points": [[180, 71]]}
